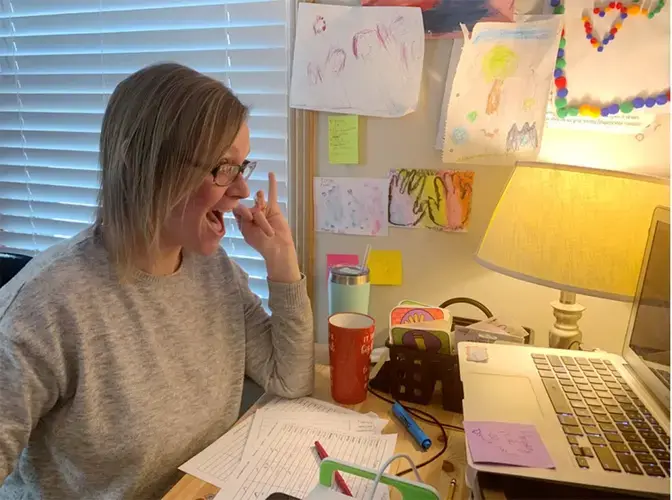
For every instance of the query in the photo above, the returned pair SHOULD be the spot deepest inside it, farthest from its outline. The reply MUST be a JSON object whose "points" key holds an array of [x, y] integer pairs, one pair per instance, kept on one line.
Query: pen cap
{"points": [[413, 428]]}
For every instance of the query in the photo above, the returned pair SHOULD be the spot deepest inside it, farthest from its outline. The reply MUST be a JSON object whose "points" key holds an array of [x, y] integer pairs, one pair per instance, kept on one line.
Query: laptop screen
{"points": [[650, 339]]}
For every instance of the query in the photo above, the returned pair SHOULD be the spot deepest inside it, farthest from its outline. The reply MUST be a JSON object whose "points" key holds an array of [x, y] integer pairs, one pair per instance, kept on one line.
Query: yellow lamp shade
{"points": [[574, 229]]}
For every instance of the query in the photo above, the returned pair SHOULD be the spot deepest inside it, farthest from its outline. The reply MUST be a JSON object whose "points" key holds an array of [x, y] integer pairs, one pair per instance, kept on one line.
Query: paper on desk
{"points": [[265, 421], [358, 60], [286, 462], [307, 405], [351, 205], [498, 98], [507, 444], [216, 463]]}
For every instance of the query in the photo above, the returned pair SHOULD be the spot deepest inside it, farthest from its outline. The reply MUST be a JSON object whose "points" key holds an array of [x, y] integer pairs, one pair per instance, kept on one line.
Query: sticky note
{"points": [[344, 139], [334, 259], [506, 443], [385, 267], [478, 354]]}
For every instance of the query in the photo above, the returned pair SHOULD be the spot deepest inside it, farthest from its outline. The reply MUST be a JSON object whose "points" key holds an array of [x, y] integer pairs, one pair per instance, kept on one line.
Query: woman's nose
{"points": [[238, 189]]}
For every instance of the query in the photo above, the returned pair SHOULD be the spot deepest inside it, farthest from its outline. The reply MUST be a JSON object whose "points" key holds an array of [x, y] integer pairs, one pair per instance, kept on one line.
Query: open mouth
{"points": [[216, 220]]}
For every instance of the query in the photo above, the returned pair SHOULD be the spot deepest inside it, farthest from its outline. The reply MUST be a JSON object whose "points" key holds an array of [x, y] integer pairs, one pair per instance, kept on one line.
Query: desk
{"points": [[191, 488]]}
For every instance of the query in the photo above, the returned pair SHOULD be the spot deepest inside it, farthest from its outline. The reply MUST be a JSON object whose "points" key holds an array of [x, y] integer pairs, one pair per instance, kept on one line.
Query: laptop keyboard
{"points": [[604, 420]]}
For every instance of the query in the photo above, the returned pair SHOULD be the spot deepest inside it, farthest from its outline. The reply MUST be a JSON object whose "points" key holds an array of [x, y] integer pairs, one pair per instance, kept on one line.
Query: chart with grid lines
{"points": [[286, 462]]}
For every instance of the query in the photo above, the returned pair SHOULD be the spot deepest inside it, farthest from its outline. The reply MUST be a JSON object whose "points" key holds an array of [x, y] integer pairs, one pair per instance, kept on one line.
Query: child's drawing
{"points": [[502, 70], [430, 199], [523, 138], [498, 64], [348, 205], [364, 61]]}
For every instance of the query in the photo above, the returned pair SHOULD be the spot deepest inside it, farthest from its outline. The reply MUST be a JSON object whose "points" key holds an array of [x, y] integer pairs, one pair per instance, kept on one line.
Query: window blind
{"points": [[59, 62]]}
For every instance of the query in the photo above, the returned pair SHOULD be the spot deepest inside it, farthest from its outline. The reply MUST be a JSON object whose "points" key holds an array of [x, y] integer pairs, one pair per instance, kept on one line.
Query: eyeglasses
{"points": [[225, 174]]}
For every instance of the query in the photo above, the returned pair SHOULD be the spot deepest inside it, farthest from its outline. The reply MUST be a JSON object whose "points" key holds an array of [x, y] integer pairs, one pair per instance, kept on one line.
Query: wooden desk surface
{"points": [[191, 488]]}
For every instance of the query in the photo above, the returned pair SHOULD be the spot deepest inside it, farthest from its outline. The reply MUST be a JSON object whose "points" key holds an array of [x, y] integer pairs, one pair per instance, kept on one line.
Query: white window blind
{"points": [[61, 59]]}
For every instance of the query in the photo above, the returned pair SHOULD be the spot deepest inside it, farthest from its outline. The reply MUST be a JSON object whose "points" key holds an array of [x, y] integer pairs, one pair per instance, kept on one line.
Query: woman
{"points": [[123, 350]]}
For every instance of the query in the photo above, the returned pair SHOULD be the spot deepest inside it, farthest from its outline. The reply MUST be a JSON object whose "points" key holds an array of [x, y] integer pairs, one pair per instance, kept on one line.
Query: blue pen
{"points": [[415, 430]]}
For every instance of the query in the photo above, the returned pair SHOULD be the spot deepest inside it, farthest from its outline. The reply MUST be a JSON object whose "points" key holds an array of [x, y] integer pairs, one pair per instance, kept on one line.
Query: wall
{"points": [[437, 266]]}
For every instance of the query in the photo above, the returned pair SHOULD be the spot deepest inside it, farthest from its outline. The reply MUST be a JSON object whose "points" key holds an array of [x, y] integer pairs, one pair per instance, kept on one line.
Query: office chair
{"points": [[10, 265]]}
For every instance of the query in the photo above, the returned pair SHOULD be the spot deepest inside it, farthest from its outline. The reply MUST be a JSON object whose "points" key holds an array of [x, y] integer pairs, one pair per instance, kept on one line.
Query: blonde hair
{"points": [[165, 127]]}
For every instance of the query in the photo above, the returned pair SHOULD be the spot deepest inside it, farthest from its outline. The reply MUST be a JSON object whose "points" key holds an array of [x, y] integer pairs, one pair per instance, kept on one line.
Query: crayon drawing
{"points": [[431, 199], [442, 18], [357, 61], [348, 205], [502, 71], [498, 64]]}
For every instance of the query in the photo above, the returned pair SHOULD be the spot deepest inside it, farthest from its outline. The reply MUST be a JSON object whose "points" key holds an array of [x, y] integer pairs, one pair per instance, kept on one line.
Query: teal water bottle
{"points": [[349, 289]]}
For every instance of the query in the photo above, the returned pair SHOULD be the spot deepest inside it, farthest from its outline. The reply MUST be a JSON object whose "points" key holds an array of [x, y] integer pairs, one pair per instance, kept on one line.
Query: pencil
{"points": [[337, 475]]}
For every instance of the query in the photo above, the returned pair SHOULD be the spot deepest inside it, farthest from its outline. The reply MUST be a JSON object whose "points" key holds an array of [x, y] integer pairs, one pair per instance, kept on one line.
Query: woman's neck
{"points": [[165, 264]]}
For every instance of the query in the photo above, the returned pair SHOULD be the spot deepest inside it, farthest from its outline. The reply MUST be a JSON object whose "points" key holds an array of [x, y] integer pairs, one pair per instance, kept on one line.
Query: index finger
{"points": [[272, 189]]}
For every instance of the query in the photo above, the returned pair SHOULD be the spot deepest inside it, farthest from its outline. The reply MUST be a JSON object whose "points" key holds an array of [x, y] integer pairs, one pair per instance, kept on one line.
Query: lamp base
{"points": [[565, 330]]}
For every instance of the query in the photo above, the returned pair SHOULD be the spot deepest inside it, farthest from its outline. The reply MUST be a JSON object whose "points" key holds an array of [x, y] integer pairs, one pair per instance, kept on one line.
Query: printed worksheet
{"points": [[286, 462], [265, 421]]}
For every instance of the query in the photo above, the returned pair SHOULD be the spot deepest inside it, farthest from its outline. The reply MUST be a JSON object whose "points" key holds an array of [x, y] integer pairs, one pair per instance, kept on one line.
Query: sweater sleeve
{"points": [[28, 390], [279, 349]]}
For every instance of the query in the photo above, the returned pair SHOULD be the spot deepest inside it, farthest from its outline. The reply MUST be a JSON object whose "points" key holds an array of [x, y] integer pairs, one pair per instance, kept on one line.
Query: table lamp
{"points": [[577, 230]]}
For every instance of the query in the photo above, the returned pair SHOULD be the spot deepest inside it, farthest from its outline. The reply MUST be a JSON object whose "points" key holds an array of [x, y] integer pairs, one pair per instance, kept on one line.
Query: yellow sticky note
{"points": [[385, 267], [344, 139]]}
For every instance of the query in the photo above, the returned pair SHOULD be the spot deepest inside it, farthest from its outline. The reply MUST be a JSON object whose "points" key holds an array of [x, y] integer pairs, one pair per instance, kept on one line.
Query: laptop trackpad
{"points": [[505, 398]]}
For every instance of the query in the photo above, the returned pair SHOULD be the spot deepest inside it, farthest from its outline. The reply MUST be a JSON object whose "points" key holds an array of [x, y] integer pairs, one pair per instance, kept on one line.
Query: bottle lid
{"points": [[347, 274]]}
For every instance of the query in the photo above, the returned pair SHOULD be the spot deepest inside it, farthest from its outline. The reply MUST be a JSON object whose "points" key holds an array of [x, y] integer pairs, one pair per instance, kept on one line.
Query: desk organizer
{"points": [[413, 373]]}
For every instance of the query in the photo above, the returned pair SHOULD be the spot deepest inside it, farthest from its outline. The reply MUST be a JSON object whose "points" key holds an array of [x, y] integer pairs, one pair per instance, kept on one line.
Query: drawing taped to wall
{"points": [[349, 205], [365, 61], [502, 68], [442, 18], [432, 199]]}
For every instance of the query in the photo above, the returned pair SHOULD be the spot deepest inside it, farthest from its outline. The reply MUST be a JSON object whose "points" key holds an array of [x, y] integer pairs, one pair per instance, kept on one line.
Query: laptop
{"points": [[604, 418]]}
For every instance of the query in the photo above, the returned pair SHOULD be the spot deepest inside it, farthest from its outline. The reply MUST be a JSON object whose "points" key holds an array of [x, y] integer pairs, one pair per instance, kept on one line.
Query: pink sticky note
{"points": [[507, 444], [334, 259]]}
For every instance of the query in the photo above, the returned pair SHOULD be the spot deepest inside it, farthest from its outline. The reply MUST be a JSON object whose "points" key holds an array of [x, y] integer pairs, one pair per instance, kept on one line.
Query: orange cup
{"points": [[350, 346]]}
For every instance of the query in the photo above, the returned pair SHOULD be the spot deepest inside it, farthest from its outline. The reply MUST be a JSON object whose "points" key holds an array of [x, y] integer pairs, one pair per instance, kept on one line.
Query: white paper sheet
{"points": [[307, 404], [265, 420], [455, 53], [358, 60], [216, 463], [498, 99], [351, 205], [634, 123], [636, 62], [286, 462]]}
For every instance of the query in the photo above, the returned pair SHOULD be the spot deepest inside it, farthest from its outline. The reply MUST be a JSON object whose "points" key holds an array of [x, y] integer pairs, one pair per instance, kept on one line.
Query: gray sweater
{"points": [[106, 388]]}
